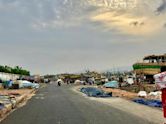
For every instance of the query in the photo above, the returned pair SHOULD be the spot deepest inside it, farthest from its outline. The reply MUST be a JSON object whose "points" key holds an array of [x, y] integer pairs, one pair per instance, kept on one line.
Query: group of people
{"points": [[69, 81], [6, 84]]}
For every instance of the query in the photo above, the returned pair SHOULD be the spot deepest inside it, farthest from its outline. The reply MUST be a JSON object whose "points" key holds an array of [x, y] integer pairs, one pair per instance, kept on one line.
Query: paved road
{"points": [[60, 105]]}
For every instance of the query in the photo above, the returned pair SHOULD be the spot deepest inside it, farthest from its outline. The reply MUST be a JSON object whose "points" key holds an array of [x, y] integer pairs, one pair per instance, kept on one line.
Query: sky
{"points": [[70, 36]]}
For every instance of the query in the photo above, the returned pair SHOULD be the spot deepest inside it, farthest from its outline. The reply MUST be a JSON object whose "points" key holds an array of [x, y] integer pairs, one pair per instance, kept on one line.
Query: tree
{"points": [[15, 70]]}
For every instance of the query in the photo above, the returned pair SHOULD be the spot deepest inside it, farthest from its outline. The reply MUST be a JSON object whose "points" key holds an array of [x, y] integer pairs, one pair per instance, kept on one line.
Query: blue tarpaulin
{"points": [[1, 106], [153, 103], [95, 92], [111, 84]]}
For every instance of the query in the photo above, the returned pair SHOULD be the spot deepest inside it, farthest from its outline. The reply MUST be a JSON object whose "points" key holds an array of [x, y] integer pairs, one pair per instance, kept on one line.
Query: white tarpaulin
{"points": [[160, 80], [59, 80], [77, 82], [130, 81], [142, 94]]}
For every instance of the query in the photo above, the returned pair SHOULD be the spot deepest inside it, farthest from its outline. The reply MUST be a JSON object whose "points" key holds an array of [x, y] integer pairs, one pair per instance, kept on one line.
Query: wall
{"points": [[8, 76]]}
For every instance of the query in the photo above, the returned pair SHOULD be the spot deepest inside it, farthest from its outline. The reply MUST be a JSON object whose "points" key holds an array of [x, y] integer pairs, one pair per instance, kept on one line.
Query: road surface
{"points": [[60, 105]]}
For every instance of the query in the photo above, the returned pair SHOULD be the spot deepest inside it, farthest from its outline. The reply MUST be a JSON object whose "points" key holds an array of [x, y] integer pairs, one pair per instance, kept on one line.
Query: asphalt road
{"points": [[60, 105]]}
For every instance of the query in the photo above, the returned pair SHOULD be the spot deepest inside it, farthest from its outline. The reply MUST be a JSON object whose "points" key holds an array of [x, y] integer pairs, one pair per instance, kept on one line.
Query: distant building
{"points": [[151, 65]]}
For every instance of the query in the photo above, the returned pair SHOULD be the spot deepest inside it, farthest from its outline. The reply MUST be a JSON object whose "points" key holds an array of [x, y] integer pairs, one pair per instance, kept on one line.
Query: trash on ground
{"points": [[1, 106], [154, 95], [6, 99], [95, 92], [130, 80], [142, 94], [152, 103]]}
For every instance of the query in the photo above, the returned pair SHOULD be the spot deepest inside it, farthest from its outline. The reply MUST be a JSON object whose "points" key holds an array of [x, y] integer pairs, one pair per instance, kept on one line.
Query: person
{"points": [[10, 83], [59, 83]]}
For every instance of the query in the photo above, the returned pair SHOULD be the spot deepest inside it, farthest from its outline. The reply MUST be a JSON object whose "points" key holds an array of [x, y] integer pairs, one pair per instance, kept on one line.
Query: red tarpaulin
{"points": [[164, 101]]}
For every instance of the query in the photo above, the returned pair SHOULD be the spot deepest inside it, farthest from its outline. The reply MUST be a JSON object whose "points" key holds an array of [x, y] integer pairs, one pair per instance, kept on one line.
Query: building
{"points": [[151, 65]]}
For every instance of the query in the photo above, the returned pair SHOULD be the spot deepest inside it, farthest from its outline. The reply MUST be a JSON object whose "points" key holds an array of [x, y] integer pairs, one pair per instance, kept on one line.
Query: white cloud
{"points": [[129, 23], [136, 17], [94, 32], [140, 20]]}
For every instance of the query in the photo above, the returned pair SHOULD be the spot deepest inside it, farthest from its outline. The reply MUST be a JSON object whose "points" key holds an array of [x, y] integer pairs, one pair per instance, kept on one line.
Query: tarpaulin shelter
{"points": [[112, 84], [27, 84]]}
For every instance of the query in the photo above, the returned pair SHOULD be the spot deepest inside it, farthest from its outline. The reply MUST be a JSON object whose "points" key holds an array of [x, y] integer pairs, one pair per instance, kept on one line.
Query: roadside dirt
{"points": [[145, 112], [21, 96]]}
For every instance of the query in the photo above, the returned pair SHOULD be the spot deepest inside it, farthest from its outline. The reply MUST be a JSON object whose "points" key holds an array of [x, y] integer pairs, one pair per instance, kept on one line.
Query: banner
{"points": [[160, 80]]}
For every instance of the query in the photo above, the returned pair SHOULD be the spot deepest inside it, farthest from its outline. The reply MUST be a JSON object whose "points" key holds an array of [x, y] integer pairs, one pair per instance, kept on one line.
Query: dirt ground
{"points": [[15, 92], [19, 96], [121, 93], [141, 87], [130, 92]]}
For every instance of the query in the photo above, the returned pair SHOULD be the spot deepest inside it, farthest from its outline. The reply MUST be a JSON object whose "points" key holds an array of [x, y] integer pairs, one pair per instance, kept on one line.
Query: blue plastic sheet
{"points": [[1, 106], [95, 92], [152, 103], [111, 84]]}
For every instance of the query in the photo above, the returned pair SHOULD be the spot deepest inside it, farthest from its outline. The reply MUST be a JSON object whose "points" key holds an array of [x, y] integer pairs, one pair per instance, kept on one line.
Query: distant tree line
{"points": [[15, 70]]}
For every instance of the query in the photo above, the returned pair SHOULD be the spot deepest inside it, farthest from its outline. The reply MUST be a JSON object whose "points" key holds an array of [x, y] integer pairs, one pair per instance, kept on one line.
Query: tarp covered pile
{"points": [[152, 103], [111, 84], [142, 94], [154, 95], [27, 84], [17, 84], [95, 92]]}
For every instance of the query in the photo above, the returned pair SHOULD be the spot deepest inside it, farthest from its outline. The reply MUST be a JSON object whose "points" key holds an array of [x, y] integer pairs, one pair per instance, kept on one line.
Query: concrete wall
{"points": [[8, 76]]}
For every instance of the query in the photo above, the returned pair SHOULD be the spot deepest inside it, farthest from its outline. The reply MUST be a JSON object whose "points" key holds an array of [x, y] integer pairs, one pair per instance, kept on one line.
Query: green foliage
{"points": [[15, 70]]}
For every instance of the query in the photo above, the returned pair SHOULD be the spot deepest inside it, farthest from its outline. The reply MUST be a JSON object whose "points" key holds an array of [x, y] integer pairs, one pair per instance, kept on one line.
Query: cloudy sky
{"points": [[56, 36]]}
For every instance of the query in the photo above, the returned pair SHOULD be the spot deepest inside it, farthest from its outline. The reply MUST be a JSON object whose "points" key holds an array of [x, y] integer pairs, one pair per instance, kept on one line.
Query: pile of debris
{"points": [[10, 99], [151, 97], [18, 84]]}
